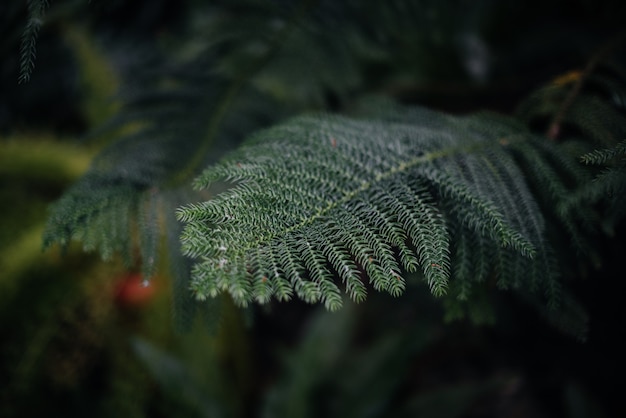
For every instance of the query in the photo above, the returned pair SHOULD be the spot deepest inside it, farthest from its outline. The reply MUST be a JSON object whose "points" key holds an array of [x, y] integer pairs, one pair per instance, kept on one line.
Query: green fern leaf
{"points": [[36, 12], [122, 205], [325, 197], [609, 185], [603, 156]]}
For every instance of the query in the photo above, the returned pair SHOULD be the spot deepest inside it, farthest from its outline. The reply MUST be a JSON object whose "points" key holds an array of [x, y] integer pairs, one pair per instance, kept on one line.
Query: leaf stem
{"points": [[555, 126]]}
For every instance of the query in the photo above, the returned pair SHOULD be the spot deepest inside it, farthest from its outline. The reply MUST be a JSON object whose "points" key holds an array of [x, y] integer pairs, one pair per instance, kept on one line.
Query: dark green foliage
{"points": [[328, 203], [349, 194], [36, 11], [608, 186], [124, 203], [247, 161]]}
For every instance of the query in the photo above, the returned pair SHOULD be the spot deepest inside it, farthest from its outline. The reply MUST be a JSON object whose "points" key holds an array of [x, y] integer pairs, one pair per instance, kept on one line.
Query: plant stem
{"points": [[555, 126]]}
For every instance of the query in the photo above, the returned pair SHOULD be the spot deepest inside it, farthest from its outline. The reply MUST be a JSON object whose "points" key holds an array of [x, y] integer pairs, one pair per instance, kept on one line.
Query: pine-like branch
{"points": [[176, 120], [28, 48], [366, 201], [608, 186], [323, 204]]}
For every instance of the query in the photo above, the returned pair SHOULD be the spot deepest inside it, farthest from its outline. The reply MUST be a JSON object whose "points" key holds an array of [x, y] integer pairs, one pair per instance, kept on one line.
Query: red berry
{"points": [[133, 290]]}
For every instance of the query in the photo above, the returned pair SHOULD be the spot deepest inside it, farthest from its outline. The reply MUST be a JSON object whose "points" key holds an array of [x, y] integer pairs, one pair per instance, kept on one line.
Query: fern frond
{"points": [[120, 204], [366, 200], [608, 186], [91, 206], [605, 155], [28, 47], [175, 120], [554, 178]]}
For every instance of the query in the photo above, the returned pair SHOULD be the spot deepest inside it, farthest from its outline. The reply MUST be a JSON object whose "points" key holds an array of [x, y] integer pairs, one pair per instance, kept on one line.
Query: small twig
{"points": [[555, 126]]}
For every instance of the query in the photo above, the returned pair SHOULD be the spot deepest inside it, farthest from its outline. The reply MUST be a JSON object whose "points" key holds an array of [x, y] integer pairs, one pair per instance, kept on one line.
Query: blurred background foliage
{"points": [[82, 337]]}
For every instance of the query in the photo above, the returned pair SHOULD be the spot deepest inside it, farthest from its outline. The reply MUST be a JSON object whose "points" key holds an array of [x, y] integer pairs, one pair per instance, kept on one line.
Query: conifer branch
{"points": [[324, 205], [389, 206], [28, 47]]}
